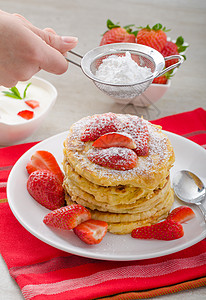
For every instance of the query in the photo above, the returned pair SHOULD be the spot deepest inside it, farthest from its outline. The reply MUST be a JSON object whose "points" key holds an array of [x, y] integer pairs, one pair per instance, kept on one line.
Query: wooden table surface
{"points": [[78, 96]]}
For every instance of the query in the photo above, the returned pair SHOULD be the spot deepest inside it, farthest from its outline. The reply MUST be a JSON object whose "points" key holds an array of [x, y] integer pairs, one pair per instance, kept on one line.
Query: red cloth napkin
{"points": [[43, 272]]}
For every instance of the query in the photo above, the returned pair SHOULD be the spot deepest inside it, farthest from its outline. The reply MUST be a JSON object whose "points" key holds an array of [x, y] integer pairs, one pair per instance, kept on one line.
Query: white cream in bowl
{"points": [[14, 128]]}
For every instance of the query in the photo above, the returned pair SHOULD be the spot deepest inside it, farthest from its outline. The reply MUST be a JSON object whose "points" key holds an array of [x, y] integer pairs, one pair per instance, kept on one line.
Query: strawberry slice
{"points": [[115, 158], [100, 125], [46, 189], [91, 231], [181, 214], [32, 103], [166, 230], [44, 160], [138, 129], [26, 114], [115, 139], [67, 217]]}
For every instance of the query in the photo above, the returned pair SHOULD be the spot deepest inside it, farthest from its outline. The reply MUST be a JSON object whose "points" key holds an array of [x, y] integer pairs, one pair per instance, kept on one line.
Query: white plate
{"points": [[113, 247]]}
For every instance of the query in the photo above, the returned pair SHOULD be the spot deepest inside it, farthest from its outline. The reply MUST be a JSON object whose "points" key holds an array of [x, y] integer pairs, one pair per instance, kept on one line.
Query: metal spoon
{"points": [[190, 189]]}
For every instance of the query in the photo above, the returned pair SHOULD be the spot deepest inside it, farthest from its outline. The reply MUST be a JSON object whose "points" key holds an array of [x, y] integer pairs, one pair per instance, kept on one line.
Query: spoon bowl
{"points": [[190, 189]]}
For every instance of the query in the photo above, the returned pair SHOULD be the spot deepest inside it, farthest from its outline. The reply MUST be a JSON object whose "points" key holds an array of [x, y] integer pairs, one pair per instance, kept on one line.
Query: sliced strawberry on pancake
{"points": [[115, 139], [138, 129], [115, 158], [99, 125]]}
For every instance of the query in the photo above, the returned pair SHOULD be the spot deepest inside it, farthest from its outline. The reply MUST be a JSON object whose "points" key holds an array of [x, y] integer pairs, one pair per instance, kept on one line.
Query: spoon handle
{"points": [[202, 208]]}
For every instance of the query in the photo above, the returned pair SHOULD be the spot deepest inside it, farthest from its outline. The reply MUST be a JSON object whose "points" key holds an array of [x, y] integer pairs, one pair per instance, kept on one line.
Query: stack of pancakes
{"points": [[125, 199]]}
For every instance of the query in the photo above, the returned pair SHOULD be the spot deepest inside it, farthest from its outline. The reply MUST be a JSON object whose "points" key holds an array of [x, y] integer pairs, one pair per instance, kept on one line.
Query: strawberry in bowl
{"points": [[118, 34], [154, 37]]}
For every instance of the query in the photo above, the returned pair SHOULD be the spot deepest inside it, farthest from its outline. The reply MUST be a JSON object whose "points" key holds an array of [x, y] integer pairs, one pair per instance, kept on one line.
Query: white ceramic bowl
{"points": [[153, 93], [14, 128]]}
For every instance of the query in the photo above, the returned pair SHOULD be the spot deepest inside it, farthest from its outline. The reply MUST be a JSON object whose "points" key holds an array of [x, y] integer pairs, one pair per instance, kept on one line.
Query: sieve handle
{"points": [[73, 62], [180, 61]]}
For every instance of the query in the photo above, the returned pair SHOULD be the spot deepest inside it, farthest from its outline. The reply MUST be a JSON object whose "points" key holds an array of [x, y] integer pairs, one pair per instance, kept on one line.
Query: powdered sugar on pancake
{"points": [[117, 158], [150, 168]]}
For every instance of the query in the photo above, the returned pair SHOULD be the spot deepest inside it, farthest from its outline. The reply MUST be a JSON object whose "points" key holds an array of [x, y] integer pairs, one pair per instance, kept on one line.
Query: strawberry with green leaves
{"points": [[154, 37], [172, 48], [163, 79], [118, 34]]}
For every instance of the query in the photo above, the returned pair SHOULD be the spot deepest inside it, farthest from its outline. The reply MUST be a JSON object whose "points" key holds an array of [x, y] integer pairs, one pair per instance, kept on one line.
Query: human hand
{"points": [[26, 49]]}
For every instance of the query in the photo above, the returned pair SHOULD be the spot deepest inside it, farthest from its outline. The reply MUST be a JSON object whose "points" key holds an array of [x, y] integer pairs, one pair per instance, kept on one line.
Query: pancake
{"points": [[125, 199], [121, 194], [141, 205], [147, 174], [125, 223]]}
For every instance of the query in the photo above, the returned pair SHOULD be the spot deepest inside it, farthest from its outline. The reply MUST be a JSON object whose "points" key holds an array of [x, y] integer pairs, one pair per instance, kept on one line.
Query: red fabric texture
{"points": [[191, 125], [44, 272]]}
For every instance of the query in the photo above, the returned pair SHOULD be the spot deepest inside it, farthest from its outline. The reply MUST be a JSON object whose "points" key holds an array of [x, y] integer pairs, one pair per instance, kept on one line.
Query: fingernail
{"points": [[69, 39]]}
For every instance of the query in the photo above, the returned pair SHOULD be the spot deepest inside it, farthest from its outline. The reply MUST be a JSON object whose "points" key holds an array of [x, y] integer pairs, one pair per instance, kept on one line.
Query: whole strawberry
{"points": [[45, 188], [154, 37], [172, 48], [118, 34]]}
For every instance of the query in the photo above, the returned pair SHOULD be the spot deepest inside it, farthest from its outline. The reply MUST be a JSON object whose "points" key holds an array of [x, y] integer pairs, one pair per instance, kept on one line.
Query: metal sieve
{"points": [[144, 56]]}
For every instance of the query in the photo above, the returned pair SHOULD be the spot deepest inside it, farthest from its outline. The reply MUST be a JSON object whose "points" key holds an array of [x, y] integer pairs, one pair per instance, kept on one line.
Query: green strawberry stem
{"points": [[159, 26], [169, 74], [111, 25], [156, 27], [180, 45]]}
